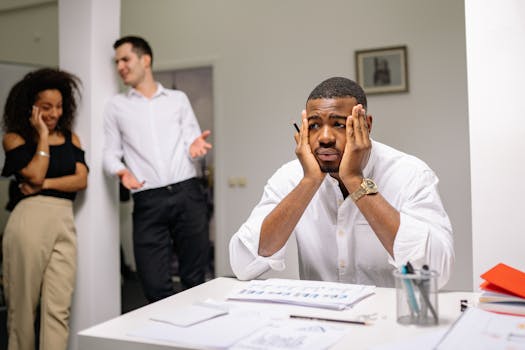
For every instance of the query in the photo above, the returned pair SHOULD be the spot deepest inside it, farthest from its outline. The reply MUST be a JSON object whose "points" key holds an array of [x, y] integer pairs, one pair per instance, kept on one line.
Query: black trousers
{"points": [[164, 218]]}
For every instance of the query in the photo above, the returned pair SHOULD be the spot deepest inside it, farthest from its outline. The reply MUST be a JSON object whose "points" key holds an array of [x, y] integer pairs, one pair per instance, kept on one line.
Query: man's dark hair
{"points": [[139, 45], [23, 95], [338, 87]]}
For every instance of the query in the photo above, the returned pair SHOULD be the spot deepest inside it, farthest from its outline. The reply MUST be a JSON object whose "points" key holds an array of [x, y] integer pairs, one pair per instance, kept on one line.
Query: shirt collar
{"points": [[161, 90]]}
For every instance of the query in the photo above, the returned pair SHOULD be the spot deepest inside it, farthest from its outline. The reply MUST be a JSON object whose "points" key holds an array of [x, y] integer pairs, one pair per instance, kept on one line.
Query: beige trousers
{"points": [[39, 250]]}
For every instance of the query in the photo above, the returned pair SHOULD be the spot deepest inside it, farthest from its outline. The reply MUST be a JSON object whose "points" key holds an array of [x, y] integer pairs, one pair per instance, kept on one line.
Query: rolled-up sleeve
{"points": [[245, 261], [425, 233]]}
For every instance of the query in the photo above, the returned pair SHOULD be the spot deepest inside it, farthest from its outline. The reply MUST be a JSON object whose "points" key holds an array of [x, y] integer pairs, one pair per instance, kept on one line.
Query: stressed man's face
{"points": [[327, 130]]}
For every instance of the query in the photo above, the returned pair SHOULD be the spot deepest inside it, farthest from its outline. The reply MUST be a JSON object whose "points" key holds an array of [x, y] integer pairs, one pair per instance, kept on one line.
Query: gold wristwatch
{"points": [[368, 186]]}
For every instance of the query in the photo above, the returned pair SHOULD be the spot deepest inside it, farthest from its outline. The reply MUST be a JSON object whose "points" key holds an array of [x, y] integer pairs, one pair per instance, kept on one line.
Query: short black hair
{"points": [[139, 45], [22, 96], [338, 87]]}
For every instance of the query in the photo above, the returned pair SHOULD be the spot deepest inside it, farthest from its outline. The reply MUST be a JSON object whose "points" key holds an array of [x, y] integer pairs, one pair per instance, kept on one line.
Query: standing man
{"points": [[358, 209], [155, 132]]}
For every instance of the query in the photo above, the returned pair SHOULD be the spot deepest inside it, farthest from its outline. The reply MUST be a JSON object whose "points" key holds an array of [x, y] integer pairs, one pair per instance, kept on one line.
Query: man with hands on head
{"points": [[357, 208], [156, 134]]}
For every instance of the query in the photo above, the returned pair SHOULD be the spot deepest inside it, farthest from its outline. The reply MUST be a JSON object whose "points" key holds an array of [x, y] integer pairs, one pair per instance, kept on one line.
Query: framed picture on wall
{"points": [[382, 70]]}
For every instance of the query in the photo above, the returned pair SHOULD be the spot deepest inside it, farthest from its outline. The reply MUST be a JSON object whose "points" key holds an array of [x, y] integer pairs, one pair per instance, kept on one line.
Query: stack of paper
{"points": [[503, 290], [328, 295]]}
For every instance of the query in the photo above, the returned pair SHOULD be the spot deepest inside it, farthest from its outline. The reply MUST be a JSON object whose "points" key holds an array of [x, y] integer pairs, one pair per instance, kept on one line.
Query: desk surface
{"points": [[112, 335]]}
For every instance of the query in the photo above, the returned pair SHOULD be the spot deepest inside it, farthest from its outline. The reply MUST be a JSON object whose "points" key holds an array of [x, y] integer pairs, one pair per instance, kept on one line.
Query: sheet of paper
{"points": [[329, 295], [483, 330], [293, 335], [188, 315], [217, 333]]}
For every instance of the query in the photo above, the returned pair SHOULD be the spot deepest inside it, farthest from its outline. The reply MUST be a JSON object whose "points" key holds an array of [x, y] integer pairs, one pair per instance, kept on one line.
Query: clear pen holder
{"points": [[417, 298]]}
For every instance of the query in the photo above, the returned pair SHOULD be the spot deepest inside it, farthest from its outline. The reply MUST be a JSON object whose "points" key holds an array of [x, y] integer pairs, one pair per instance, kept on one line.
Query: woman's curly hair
{"points": [[23, 95]]}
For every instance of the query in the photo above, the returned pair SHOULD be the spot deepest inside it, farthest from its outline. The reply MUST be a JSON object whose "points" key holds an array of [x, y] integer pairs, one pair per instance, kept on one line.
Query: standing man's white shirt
{"points": [[334, 240], [150, 132]]}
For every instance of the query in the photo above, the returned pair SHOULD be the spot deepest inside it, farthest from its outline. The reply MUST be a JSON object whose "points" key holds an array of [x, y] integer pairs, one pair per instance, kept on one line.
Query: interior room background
{"points": [[266, 56]]}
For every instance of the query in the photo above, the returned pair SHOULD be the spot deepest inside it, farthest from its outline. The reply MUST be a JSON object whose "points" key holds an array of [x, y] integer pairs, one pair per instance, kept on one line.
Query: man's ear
{"points": [[147, 60], [369, 120]]}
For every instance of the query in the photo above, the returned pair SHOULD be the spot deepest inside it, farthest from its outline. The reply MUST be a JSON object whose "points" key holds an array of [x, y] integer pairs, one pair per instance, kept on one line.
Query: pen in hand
{"points": [[296, 127]]}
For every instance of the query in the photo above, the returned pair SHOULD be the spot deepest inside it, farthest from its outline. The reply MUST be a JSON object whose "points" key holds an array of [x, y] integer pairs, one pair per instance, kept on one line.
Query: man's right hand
{"points": [[304, 153], [279, 224], [129, 181]]}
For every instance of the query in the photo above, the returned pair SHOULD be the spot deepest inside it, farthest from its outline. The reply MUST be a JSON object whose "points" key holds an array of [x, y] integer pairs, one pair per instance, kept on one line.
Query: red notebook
{"points": [[504, 279]]}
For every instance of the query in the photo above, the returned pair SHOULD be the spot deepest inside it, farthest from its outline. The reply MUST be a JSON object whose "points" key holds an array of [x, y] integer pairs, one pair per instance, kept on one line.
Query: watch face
{"points": [[370, 186], [370, 183]]}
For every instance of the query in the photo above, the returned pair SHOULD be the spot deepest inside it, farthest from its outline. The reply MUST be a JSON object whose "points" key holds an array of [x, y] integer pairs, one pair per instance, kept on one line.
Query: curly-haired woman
{"points": [[39, 245]]}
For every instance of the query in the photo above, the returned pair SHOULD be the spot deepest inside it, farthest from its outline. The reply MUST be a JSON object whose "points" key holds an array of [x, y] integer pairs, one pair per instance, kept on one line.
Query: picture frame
{"points": [[382, 70]]}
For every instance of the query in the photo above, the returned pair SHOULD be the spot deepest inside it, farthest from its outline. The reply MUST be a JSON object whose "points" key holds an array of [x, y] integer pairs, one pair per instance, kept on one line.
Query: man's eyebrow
{"points": [[313, 117], [335, 116]]}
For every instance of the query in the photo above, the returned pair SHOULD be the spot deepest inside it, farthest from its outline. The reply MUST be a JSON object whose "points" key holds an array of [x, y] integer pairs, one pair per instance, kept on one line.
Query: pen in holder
{"points": [[417, 298]]}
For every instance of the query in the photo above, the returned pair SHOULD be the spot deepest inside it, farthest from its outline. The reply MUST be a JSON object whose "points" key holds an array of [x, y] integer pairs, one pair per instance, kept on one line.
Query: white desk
{"points": [[112, 335]]}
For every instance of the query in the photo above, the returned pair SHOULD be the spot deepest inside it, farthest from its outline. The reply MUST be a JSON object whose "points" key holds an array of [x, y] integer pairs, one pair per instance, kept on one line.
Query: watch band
{"points": [[367, 186]]}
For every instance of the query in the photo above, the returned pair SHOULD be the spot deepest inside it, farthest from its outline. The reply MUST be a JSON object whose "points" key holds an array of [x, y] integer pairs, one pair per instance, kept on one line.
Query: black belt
{"points": [[171, 188]]}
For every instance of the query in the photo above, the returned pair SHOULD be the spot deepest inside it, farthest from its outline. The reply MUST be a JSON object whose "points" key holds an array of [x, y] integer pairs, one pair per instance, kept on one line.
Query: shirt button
{"points": [[341, 232], [339, 202], [342, 264]]}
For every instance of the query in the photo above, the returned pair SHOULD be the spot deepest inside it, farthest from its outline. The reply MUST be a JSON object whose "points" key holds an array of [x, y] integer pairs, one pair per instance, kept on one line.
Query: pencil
{"points": [[328, 319]]}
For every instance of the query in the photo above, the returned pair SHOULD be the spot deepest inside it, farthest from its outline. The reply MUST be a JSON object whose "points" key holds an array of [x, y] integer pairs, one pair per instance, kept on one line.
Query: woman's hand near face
{"points": [[38, 123]]}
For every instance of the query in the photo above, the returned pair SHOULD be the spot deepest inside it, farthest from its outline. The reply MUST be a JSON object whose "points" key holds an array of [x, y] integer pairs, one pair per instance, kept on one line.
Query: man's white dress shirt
{"points": [[334, 240], [153, 135]]}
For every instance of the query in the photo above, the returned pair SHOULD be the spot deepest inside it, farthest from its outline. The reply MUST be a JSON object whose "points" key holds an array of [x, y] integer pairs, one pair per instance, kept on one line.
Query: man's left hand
{"points": [[200, 147], [358, 146]]}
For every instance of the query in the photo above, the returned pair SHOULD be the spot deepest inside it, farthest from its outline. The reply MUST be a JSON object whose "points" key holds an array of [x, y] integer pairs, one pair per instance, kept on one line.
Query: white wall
{"points": [[268, 55], [29, 31], [496, 54]]}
